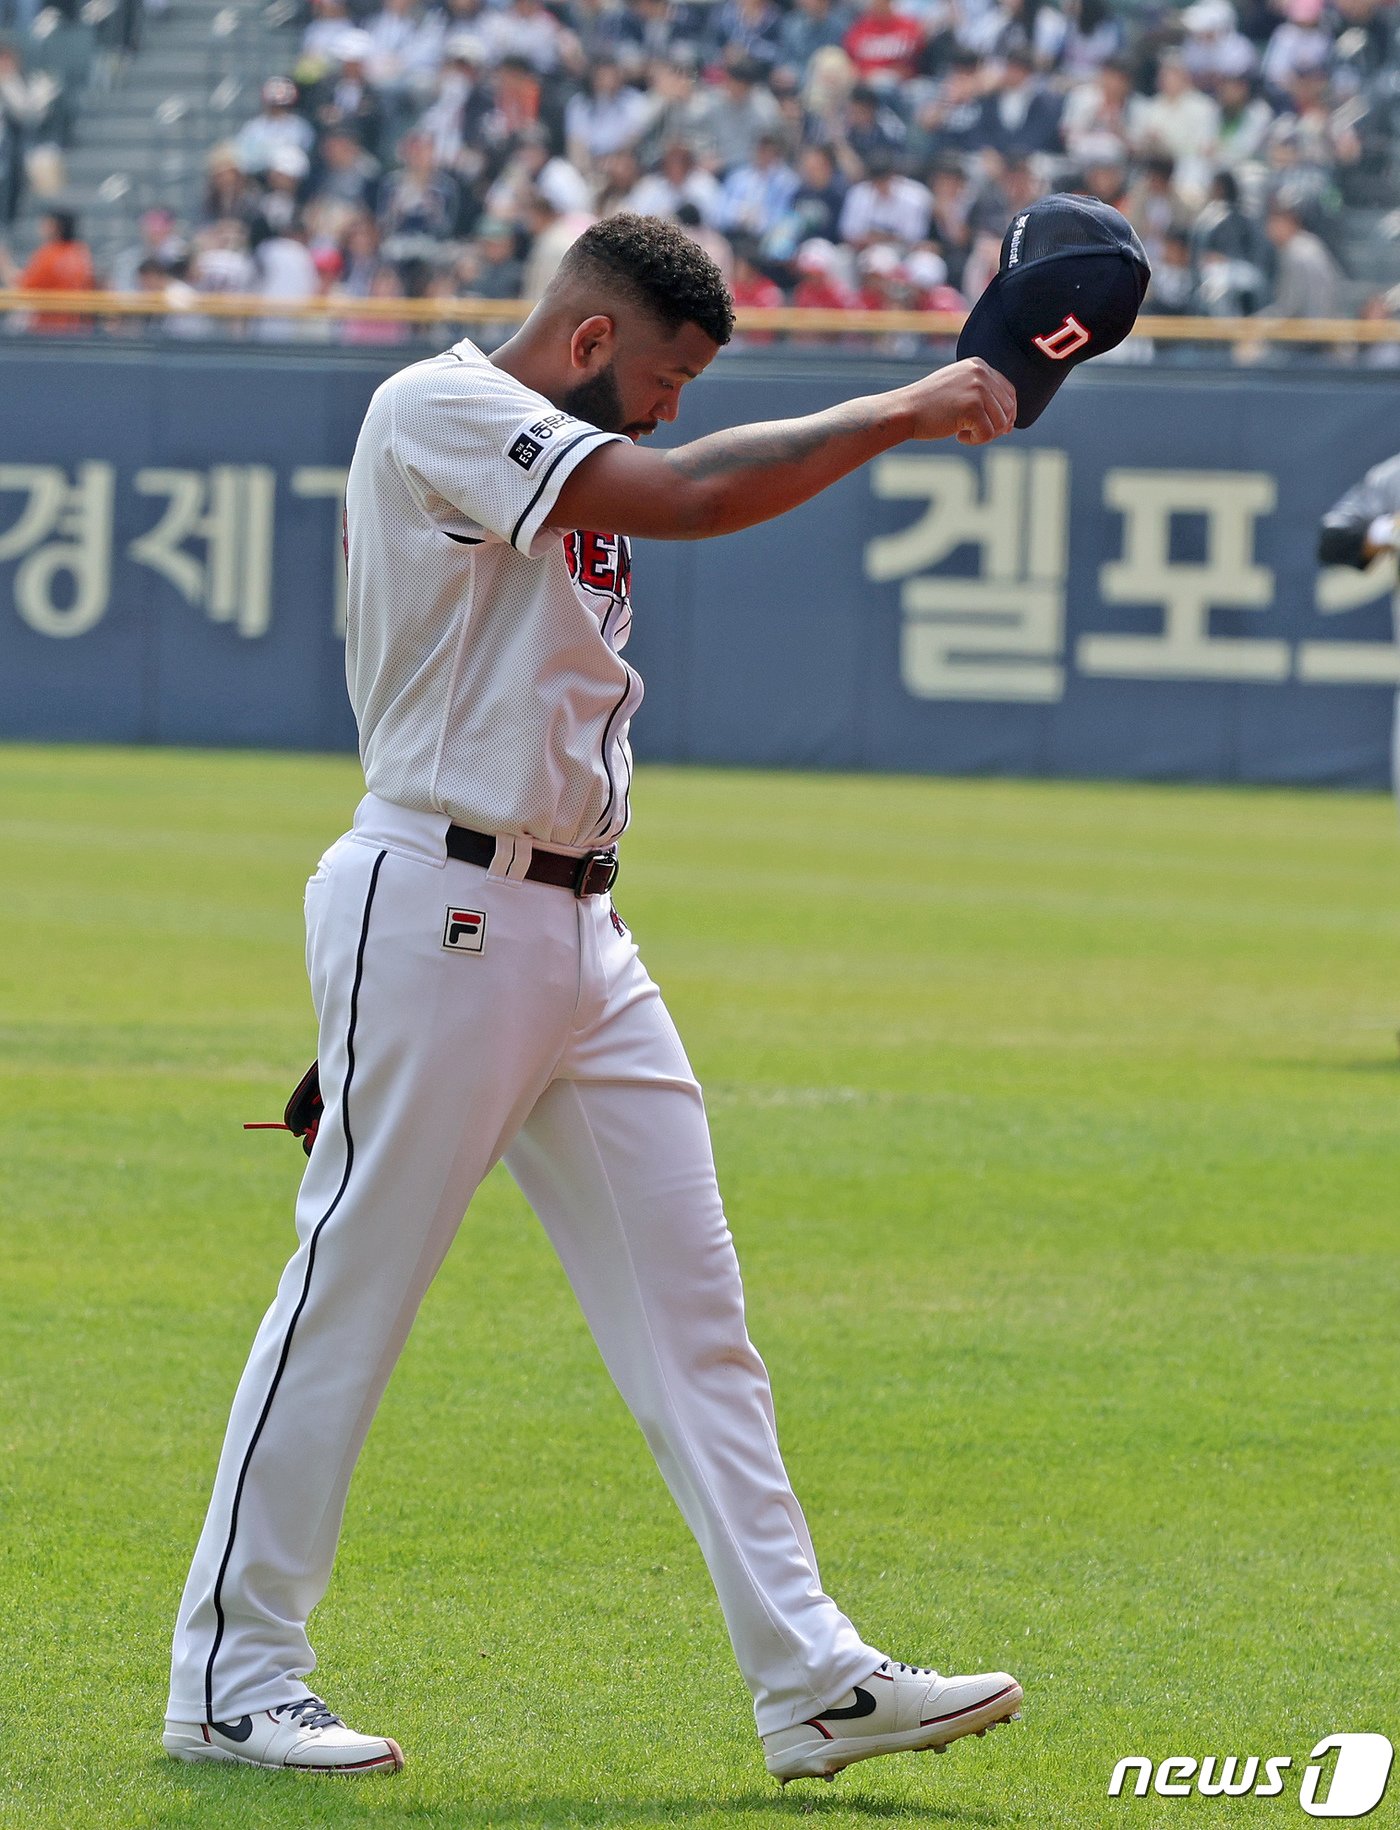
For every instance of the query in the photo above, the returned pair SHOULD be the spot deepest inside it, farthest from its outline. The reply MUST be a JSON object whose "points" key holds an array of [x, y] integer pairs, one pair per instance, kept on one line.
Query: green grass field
{"points": [[1058, 1130]]}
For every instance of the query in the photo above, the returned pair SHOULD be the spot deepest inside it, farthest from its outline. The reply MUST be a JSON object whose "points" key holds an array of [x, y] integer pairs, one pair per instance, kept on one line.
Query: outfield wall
{"points": [[1126, 590]]}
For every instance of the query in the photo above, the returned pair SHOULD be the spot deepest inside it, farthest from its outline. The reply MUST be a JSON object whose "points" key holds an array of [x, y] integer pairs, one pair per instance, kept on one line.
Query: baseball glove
{"points": [[305, 1108]]}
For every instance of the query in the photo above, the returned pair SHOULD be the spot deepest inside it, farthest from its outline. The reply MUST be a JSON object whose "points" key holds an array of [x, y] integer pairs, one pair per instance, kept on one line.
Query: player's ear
{"points": [[591, 346]]}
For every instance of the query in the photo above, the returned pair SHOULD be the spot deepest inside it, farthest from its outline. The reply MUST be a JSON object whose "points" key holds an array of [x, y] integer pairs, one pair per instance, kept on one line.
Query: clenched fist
{"points": [[969, 400]]}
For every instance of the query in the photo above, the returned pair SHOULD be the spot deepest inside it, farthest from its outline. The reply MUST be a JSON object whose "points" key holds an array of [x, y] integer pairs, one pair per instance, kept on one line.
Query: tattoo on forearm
{"points": [[760, 447]]}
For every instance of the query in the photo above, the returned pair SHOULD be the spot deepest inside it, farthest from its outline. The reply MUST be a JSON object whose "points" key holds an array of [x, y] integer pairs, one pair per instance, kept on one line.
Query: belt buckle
{"points": [[584, 882]]}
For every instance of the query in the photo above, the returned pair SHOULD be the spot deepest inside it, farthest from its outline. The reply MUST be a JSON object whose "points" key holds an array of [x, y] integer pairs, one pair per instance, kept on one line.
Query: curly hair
{"points": [[657, 266]]}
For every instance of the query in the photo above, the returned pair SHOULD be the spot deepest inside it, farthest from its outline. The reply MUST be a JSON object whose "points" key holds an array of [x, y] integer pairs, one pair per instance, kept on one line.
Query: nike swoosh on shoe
{"points": [[234, 1731]]}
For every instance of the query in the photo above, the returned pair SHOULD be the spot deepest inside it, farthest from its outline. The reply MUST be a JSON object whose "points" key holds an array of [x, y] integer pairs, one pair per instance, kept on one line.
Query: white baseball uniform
{"points": [[468, 1014]]}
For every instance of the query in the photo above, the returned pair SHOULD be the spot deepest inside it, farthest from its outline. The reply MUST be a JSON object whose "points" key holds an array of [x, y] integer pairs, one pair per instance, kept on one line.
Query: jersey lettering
{"points": [[1068, 340], [600, 562]]}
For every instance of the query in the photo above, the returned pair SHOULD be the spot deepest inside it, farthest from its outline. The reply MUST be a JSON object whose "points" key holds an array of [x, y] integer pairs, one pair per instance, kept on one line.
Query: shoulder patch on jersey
{"points": [[530, 440]]}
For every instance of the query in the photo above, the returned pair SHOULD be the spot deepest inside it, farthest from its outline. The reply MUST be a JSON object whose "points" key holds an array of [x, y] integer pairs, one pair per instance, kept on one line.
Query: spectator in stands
{"points": [[877, 269], [678, 110], [604, 117], [750, 285], [866, 132], [1299, 42], [518, 104], [748, 29], [602, 30], [679, 179], [731, 117], [347, 98], [404, 52], [228, 193], [1105, 105], [24, 101], [948, 123], [452, 120], [758, 194], [1171, 293], [531, 167], [221, 263], [923, 278], [883, 43], [1010, 185], [950, 215], [347, 178], [157, 240], [278, 125], [810, 26], [1214, 46], [497, 268], [1379, 308], [1180, 122], [1021, 117], [823, 278], [286, 275], [1323, 135], [279, 206], [615, 178], [552, 234], [528, 30], [1245, 119], [886, 206], [360, 259], [1308, 282], [420, 199], [156, 280], [379, 332], [61, 263], [320, 42], [917, 127], [792, 125], [1231, 253], [1153, 206], [1105, 175], [826, 93], [1075, 38], [710, 239], [815, 210]]}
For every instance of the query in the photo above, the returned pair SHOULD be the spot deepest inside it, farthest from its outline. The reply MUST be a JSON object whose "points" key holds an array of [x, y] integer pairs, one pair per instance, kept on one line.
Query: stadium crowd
{"points": [[833, 153]]}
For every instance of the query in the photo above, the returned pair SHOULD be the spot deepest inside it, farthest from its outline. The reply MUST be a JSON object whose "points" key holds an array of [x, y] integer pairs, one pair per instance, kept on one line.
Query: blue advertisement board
{"points": [[1128, 589]]}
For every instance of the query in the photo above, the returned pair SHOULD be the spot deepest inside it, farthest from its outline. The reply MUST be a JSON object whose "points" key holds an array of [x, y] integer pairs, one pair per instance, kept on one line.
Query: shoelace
{"points": [[310, 1712], [911, 1670]]}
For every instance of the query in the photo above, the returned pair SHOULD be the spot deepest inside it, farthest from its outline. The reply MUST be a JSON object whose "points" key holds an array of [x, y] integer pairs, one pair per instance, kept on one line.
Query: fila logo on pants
{"points": [[465, 930]]}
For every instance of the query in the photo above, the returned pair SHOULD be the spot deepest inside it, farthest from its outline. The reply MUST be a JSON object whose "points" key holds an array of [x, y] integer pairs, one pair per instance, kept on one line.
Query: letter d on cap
{"points": [[1358, 1779]]}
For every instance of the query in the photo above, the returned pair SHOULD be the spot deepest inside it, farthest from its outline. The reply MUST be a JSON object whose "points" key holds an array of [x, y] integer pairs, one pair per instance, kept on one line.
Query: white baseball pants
{"points": [[550, 1047]]}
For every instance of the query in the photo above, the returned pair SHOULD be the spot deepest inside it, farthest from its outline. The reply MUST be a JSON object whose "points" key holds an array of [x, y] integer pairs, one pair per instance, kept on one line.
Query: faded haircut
{"points": [[655, 265]]}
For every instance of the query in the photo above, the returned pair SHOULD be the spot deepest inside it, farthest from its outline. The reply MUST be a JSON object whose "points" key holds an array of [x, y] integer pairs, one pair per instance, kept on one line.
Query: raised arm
{"points": [[746, 474]]}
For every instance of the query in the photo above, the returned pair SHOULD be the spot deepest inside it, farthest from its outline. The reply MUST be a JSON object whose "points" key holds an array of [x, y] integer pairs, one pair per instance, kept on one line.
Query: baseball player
{"points": [[1359, 528], [479, 998]]}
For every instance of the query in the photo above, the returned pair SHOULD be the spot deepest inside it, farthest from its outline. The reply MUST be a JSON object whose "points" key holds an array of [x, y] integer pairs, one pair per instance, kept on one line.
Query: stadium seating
{"points": [[825, 153]]}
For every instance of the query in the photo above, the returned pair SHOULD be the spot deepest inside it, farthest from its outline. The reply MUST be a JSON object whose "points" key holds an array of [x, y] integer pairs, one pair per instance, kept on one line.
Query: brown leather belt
{"points": [[593, 874]]}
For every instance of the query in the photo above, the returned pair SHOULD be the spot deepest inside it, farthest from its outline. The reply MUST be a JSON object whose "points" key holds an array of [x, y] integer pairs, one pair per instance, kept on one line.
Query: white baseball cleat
{"points": [[304, 1735], [897, 1709]]}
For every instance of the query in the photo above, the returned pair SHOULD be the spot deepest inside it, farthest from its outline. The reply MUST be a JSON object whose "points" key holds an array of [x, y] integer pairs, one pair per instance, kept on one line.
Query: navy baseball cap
{"points": [[1072, 278]]}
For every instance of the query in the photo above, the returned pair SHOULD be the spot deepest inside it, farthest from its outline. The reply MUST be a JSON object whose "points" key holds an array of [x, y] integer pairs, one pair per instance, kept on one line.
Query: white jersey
{"points": [[482, 637]]}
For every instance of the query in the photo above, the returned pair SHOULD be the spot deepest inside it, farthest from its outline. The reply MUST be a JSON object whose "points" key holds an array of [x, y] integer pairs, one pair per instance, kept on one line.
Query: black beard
{"points": [[597, 401]]}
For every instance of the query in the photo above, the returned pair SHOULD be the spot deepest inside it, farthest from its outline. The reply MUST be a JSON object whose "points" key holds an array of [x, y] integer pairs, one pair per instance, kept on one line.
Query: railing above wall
{"points": [[81, 313]]}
